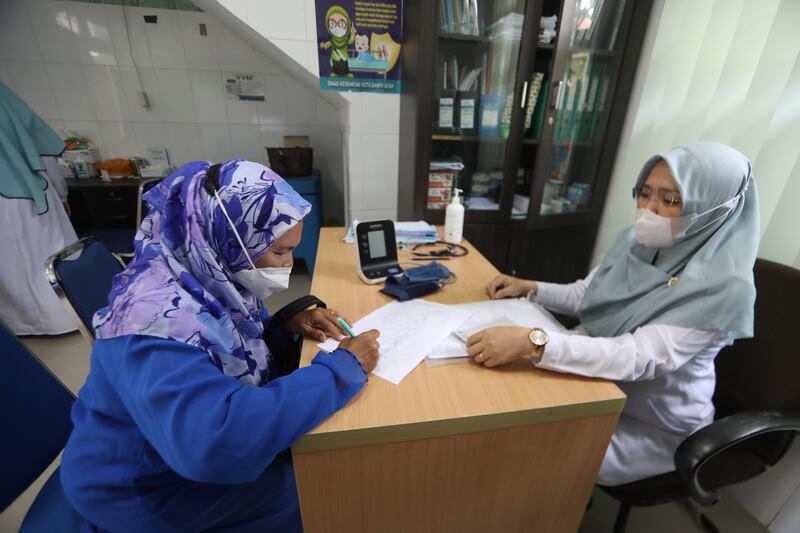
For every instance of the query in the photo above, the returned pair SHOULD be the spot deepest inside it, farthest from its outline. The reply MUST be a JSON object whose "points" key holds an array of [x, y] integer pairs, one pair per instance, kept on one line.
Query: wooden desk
{"points": [[451, 448]]}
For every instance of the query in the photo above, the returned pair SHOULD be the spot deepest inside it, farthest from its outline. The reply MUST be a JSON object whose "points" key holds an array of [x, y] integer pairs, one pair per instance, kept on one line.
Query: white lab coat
{"points": [[667, 373], [29, 305]]}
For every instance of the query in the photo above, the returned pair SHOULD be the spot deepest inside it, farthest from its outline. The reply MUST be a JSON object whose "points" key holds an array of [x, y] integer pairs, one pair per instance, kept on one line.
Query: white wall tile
{"points": [[381, 113], [123, 51], [166, 45], [209, 98], [184, 143], [53, 31], [380, 171], [129, 25], [57, 125], [71, 90], [237, 7], [310, 20], [355, 122], [327, 115], [130, 78], [201, 51], [234, 53], [301, 105], [107, 92], [278, 19], [86, 128], [272, 136], [118, 139], [32, 85], [216, 142], [299, 51], [175, 92], [264, 65], [150, 135], [17, 40], [241, 111], [273, 110], [5, 75], [92, 33], [246, 143]]}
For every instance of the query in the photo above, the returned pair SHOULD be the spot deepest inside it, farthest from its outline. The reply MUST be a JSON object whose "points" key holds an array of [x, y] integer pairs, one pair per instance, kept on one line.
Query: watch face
{"points": [[539, 337]]}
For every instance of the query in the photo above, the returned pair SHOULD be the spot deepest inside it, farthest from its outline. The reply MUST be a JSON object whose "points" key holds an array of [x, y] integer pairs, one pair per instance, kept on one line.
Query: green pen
{"points": [[345, 326]]}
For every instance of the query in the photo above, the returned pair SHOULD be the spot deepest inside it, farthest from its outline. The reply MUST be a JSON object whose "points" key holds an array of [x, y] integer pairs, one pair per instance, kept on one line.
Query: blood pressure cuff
{"points": [[416, 282]]}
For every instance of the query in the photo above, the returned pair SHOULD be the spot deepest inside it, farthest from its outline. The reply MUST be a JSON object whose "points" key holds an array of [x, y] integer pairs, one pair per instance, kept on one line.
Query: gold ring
{"points": [[482, 357]]}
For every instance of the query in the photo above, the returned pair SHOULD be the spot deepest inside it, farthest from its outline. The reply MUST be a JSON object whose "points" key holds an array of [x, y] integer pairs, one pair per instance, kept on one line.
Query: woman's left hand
{"points": [[318, 323], [499, 345]]}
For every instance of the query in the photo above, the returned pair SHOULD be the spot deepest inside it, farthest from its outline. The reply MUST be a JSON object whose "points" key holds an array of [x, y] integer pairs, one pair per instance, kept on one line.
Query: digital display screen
{"points": [[377, 244]]}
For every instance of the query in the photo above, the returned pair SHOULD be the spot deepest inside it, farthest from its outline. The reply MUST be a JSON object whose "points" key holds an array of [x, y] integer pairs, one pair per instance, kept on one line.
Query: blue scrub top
{"points": [[165, 442]]}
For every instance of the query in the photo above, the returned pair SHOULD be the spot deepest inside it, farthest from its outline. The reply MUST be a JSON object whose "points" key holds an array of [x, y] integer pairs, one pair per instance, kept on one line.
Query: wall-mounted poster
{"points": [[359, 45]]}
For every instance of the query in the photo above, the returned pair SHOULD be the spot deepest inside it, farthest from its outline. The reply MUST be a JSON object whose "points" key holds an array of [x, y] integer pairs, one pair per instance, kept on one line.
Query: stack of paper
{"points": [[408, 330], [408, 232], [488, 314]]}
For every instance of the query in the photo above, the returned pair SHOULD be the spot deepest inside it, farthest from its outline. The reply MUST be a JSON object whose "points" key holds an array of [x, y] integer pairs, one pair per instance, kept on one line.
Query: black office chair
{"points": [[35, 417], [81, 276], [757, 403]]}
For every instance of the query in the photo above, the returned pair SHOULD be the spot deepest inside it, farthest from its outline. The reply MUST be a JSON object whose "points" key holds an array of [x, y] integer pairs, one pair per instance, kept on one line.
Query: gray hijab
{"points": [[713, 262]]}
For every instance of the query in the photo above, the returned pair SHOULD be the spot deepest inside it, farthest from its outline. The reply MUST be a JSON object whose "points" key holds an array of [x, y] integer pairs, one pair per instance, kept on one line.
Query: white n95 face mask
{"points": [[338, 32], [261, 282], [651, 230], [655, 231], [264, 282]]}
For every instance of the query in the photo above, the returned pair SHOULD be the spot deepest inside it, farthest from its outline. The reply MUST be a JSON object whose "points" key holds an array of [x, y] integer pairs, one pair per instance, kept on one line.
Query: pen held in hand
{"points": [[345, 326]]}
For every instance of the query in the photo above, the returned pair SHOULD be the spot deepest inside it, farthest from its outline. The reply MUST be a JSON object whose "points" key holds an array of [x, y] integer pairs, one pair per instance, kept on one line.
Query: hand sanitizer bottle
{"points": [[454, 219]]}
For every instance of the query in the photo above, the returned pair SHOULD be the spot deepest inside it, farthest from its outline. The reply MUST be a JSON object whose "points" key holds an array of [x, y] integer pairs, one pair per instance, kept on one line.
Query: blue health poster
{"points": [[358, 44]]}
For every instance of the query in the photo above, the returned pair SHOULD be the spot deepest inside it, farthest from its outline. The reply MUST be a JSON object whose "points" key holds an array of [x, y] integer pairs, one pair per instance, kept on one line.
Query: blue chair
{"points": [[82, 283], [35, 417]]}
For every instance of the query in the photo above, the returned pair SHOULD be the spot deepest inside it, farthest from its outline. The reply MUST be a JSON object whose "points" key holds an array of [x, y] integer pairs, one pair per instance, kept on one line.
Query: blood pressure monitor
{"points": [[377, 251]]}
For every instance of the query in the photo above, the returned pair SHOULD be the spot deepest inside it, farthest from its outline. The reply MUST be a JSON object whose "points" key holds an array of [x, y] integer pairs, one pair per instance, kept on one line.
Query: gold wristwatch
{"points": [[538, 338]]}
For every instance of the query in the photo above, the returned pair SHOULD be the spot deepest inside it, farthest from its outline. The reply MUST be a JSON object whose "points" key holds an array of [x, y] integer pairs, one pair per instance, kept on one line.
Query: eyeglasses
{"points": [[667, 199], [332, 24]]}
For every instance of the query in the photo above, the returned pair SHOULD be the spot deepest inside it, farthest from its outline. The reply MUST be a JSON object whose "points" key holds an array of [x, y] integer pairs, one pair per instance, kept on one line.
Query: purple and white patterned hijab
{"points": [[179, 285]]}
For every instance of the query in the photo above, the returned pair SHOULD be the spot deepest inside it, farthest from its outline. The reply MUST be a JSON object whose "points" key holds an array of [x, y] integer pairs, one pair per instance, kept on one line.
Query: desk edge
{"points": [[357, 438]]}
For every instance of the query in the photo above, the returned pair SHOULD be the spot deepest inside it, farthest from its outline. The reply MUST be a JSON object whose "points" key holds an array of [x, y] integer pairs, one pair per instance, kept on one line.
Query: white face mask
{"points": [[264, 282], [651, 230], [338, 32], [655, 231], [261, 282]]}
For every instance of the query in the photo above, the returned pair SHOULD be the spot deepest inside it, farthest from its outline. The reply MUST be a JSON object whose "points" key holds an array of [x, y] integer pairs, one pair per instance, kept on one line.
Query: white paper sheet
{"points": [[408, 331], [493, 312]]}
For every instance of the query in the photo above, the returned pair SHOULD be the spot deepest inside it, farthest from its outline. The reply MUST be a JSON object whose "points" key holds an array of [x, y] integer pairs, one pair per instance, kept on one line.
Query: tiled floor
{"points": [[68, 357]]}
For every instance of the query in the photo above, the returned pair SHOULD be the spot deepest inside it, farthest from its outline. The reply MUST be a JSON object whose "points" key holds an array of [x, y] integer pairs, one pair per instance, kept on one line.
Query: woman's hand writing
{"points": [[365, 347]]}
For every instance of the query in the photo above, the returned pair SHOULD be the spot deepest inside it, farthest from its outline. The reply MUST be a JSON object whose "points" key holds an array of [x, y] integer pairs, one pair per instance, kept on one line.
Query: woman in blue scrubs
{"points": [[185, 421]]}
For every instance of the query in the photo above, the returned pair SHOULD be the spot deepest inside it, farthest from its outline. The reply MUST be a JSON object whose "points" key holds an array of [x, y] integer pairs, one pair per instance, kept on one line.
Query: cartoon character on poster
{"points": [[342, 32]]}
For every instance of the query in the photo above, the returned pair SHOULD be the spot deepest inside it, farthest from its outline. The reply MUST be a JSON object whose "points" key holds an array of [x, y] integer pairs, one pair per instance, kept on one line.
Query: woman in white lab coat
{"points": [[672, 291], [33, 219]]}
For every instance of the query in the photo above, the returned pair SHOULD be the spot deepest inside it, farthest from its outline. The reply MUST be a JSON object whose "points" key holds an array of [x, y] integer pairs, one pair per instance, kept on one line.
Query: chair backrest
{"points": [[141, 207], [762, 372], [35, 417], [81, 275]]}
